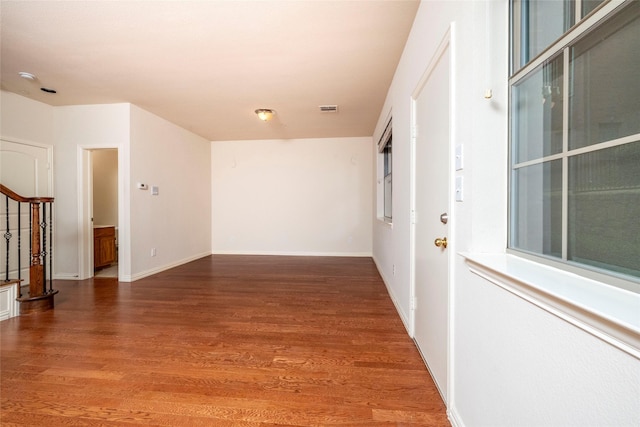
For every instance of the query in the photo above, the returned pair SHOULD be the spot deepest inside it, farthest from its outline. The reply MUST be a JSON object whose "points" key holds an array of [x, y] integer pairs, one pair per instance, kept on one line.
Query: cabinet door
{"points": [[107, 250], [104, 247]]}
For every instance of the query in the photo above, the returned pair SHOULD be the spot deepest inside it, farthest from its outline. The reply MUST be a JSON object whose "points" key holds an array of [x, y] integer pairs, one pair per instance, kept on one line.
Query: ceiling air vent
{"points": [[328, 108]]}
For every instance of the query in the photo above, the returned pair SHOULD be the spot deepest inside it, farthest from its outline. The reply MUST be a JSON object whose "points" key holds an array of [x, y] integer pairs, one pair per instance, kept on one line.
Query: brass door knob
{"points": [[441, 243]]}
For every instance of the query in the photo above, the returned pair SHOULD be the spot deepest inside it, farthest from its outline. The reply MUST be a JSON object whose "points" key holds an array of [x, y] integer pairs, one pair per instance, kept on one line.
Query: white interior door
{"points": [[24, 168], [432, 183]]}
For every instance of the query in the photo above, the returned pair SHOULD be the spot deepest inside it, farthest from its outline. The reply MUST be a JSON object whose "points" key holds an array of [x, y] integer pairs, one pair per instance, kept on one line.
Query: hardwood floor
{"points": [[222, 341]]}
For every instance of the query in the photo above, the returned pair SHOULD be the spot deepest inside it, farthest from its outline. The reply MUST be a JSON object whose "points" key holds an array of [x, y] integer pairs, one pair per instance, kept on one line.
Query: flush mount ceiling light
{"points": [[265, 114], [26, 75], [33, 78]]}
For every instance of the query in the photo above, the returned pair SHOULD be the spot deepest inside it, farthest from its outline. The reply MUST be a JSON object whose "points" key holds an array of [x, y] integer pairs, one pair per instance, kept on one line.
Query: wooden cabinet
{"points": [[104, 246]]}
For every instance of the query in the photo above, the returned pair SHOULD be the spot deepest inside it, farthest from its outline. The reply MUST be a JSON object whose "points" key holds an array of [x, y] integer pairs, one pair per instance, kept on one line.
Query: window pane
{"points": [[589, 5], [542, 22], [605, 93], [387, 158], [387, 179], [536, 111], [387, 196], [536, 216], [604, 209]]}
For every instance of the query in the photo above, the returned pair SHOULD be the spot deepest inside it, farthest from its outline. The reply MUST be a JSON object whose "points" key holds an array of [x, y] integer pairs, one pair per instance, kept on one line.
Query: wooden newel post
{"points": [[36, 276]]}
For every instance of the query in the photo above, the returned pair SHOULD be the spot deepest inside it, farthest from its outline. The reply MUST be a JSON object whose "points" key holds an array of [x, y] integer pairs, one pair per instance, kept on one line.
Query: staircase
{"points": [[17, 266]]}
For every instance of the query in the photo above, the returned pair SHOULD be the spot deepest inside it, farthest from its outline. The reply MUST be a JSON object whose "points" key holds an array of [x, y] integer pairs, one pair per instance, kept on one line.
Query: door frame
{"points": [[447, 42], [85, 209]]}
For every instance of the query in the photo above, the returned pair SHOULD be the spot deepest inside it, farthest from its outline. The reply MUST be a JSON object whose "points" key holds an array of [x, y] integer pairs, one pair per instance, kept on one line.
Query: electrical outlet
{"points": [[153, 251]]}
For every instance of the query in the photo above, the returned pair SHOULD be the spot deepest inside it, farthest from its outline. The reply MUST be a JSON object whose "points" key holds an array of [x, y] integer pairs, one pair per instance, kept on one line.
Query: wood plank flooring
{"points": [[223, 341]]}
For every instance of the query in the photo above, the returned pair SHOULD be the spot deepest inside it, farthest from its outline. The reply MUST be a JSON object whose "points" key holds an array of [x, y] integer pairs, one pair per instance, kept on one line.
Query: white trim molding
{"points": [[606, 312], [160, 269], [394, 299], [8, 304]]}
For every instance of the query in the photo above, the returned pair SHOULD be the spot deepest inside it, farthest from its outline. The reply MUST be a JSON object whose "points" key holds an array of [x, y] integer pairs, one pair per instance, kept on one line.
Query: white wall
{"points": [[512, 363], [176, 222], [89, 127], [64, 128], [301, 196], [518, 365], [24, 120]]}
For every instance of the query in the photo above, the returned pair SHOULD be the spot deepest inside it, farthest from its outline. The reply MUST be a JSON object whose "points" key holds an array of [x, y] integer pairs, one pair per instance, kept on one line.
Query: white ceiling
{"points": [[207, 65]]}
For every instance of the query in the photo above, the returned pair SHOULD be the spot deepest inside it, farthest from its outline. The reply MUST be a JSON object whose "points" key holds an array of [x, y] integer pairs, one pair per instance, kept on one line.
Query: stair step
{"points": [[36, 304]]}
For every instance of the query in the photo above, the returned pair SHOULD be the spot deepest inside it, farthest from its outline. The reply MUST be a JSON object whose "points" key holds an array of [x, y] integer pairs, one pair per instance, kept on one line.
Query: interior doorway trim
{"points": [[85, 200]]}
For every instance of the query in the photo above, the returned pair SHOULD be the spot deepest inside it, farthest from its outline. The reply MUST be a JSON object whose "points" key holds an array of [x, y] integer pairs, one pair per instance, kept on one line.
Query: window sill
{"points": [[609, 313], [385, 222]]}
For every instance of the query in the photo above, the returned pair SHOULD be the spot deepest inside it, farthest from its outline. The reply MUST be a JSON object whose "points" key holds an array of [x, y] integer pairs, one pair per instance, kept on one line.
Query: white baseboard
{"points": [[66, 276], [292, 253], [454, 418], [156, 270], [405, 321]]}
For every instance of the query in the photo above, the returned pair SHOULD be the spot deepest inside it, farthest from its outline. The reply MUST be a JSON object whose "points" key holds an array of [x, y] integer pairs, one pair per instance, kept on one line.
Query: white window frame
{"points": [[562, 47], [385, 174], [608, 313]]}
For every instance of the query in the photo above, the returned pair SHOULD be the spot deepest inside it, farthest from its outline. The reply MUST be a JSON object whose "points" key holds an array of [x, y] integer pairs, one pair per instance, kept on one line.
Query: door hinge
{"points": [[414, 132], [413, 217], [414, 303]]}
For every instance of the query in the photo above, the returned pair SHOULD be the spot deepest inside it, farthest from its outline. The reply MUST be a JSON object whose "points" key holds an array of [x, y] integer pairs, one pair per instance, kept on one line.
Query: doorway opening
{"points": [[100, 212], [105, 212]]}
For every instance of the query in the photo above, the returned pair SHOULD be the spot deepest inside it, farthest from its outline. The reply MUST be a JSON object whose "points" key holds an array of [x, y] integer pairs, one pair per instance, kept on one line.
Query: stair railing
{"points": [[40, 210]]}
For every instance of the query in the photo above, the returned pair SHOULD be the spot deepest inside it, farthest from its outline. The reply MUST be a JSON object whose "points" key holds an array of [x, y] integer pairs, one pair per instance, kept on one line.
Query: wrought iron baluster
{"points": [[7, 236], [19, 252], [50, 246], [43, 252], [30, 234]]}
